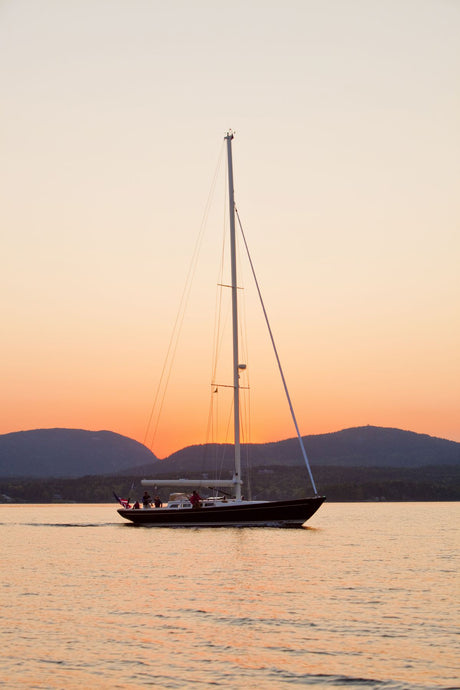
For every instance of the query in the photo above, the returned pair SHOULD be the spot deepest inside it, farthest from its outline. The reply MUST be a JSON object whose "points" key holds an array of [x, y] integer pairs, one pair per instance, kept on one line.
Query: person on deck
{"points": [[157, 502], [146, 500], [195, 500]]}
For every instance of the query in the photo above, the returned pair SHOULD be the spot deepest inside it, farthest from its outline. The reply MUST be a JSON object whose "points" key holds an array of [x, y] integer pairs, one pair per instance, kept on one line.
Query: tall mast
{"points": [[236, 381]]}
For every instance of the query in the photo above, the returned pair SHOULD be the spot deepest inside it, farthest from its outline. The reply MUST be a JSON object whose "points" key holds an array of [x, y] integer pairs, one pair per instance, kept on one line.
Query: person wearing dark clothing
{"points": [[146, 500]]}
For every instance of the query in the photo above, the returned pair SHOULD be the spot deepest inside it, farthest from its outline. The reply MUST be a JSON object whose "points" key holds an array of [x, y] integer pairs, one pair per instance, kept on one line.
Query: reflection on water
{"points": [[365, 597]]}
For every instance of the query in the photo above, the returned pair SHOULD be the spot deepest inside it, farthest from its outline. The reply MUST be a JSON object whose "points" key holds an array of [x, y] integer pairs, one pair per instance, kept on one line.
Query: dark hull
{"points": [[266, 514]]}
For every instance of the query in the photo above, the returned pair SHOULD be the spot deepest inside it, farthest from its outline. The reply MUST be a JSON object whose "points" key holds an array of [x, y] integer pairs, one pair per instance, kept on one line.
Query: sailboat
{"points": [[230, 509]]}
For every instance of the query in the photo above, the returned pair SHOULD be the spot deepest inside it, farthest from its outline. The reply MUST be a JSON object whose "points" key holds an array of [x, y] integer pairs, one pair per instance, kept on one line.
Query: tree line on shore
{"points": [[440, 483]]}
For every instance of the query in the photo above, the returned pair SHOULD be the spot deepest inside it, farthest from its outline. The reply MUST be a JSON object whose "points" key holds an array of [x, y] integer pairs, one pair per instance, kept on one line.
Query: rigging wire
{"points": [[221, 320], [222, 316], [245, 391], [212, 431], [160, 394], [304, 453]]}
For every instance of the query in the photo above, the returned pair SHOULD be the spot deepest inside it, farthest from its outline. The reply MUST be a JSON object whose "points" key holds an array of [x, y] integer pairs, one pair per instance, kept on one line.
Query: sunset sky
{"points": [[347, 172]]}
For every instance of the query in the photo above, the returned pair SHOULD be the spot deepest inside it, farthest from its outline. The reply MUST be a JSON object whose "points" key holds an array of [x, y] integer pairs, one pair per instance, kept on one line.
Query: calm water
{"points": [[365, 598]]}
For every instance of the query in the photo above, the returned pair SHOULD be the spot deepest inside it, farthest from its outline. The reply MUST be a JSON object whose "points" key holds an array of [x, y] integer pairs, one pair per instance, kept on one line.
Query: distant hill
{"points": [[68, 453], [72, 453], [367, 446]]}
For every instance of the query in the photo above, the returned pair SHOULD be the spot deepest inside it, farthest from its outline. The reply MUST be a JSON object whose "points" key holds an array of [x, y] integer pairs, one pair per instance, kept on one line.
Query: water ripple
{"points": [[365, 602]]}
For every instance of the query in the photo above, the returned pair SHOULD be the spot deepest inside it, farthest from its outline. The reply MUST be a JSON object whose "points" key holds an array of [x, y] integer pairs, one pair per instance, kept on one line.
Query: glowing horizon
{"points": [[346, 178]]}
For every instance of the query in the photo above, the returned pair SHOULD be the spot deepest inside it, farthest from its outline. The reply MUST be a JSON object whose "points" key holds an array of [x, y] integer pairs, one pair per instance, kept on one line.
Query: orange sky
{"points": [[346, 165]]}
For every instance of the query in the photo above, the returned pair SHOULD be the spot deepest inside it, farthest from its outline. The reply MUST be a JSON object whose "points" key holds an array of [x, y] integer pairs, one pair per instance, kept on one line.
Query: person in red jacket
{"points": [[195, 500]]}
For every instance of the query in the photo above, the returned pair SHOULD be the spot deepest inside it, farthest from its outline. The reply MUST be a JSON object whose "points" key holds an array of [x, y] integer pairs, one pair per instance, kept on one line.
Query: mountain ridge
{"points": [[367, 446], [71, 453]]}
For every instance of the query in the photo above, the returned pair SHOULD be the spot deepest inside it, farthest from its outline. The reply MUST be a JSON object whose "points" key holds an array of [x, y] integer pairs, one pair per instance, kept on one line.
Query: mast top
{"points": [[230, 134]]}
